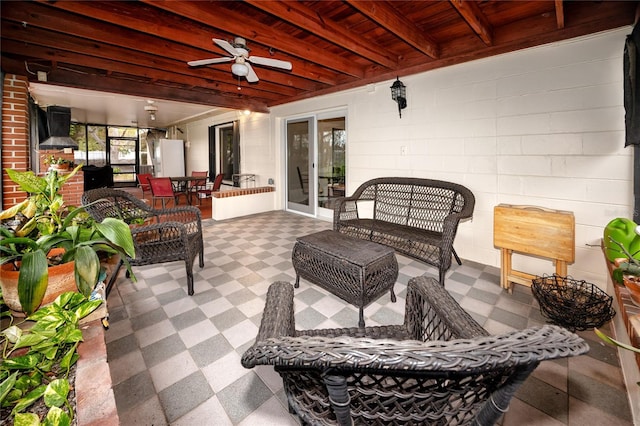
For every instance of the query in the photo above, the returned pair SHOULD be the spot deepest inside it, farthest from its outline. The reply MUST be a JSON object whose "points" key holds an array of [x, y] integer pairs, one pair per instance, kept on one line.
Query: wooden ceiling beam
{"points": [[473, 16], [144, 63], [256, 32], [307, 19], [143, 89], [60, 57], [385, 15], [559, 13], [81, 19]]}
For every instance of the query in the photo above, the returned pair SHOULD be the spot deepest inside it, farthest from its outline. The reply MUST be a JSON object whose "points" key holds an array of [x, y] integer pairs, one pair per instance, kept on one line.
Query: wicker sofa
{"points": [[439, 367], [417, 217], [159, 236]]}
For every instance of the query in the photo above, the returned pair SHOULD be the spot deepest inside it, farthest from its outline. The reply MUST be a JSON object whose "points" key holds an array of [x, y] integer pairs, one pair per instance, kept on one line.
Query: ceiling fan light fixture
{"points": [[240, 70]]}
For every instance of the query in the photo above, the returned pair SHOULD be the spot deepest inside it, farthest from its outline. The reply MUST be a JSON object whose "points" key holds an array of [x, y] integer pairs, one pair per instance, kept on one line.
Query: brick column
{"points": [[15, 135], [15, 144]]}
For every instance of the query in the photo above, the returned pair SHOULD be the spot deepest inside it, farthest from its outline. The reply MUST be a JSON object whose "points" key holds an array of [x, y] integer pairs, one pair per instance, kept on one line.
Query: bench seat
{"points": [[416, 217]]}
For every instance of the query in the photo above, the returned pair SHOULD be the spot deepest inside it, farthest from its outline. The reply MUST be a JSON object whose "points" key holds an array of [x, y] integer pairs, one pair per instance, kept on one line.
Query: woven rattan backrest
{"points": [[420, 203], [107, 202]]}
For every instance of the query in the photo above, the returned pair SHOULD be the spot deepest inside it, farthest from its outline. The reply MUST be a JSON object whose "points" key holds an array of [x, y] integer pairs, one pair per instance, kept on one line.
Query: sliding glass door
{"points": [[316, 167]]}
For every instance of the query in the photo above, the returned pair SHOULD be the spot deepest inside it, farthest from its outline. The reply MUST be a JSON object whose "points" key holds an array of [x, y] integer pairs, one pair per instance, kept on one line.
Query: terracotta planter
{"points": [[59, 167], [61, 280], [632, 283]]}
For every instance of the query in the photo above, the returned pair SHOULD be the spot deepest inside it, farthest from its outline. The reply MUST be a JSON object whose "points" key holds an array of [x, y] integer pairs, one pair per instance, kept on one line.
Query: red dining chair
{"points": [[199, 186], [217, 183], [143, 182], [161, 188]]}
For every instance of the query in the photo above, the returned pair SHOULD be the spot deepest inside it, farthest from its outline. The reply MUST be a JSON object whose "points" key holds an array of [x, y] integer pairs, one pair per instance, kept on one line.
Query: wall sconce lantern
{"points": [[399, 94]]}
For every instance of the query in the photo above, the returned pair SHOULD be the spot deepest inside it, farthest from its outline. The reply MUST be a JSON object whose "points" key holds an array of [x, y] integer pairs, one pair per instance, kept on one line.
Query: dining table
{"points": [[181, 185]]}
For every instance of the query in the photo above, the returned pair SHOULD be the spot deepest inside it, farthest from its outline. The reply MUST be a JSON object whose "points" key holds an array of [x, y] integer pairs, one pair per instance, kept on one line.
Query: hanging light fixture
{"points": [[240, 69], [399, 95], [151, 109]]}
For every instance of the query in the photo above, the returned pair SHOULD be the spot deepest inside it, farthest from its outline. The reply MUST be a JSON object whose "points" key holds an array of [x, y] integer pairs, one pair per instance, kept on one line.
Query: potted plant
{"points": [[627, 273], [58, 163], [32, 230]]}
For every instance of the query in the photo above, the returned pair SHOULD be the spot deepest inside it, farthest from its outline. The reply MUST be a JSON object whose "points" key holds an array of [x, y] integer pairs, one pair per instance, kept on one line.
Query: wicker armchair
{"points": [[163, 236], [439, 367]]}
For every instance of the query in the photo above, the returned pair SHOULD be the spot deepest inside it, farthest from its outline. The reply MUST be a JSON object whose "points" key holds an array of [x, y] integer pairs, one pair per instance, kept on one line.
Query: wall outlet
{"points": [[403, 150]]}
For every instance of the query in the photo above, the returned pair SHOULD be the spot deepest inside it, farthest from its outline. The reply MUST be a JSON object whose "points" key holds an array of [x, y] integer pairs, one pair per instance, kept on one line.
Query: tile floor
{"points": [[175, 359]]}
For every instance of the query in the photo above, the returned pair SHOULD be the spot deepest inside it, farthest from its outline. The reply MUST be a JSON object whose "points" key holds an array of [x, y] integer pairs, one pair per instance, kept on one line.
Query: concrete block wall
{"points": [[543, 126]]}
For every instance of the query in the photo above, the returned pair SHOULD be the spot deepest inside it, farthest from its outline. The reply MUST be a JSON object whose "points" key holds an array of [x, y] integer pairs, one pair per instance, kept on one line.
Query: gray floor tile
{"points": [[148, 318], [208, 351], [134, 391], [595, 393], [185, 395], [187, 319], [244, 396], [550, 400], [163, 349], [121, 347]]}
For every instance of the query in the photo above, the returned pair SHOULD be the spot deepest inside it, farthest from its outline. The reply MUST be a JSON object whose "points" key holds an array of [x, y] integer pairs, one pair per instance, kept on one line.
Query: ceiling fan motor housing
{"points": [[240, 43]]}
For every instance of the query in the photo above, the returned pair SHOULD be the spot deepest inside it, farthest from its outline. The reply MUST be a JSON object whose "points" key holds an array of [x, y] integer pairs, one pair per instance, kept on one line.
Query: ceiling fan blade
{"points": [[252, 77], [226, 46], [208, 61], [270, 62]]}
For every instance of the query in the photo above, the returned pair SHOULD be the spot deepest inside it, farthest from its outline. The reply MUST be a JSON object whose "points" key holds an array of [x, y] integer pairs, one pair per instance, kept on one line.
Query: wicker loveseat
{"points": [[417, 217], [158, 235], [439, 367]]}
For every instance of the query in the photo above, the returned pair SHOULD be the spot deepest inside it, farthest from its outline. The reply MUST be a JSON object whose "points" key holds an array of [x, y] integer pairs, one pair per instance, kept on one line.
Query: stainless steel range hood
{"points": [[59, 124]]}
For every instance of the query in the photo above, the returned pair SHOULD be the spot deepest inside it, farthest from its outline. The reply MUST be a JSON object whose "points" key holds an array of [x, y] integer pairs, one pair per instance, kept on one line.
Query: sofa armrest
{"points": [[277, 320], [431, 313], [345, 208]]}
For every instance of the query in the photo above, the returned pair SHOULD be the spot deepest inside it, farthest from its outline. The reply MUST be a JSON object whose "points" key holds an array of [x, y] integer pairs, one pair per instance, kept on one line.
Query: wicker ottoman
{"points": [[355, 270]]}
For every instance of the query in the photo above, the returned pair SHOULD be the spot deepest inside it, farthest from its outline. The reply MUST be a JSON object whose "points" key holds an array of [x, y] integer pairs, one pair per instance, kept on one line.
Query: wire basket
{"points": [[573, 304]]}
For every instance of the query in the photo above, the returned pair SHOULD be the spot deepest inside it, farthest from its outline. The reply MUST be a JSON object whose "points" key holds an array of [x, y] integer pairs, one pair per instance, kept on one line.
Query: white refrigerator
{"points": [[168, 158]]}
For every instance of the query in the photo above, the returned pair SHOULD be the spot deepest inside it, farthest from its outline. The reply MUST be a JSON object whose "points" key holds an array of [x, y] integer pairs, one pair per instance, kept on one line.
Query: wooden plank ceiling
{"points": [[141, 48]]}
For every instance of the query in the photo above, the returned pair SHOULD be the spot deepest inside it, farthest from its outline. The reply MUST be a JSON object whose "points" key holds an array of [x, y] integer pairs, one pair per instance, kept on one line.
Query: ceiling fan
{"points": [[241, 58]]}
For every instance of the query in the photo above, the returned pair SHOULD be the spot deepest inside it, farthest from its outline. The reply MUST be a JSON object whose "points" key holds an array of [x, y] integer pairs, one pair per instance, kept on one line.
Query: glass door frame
{"points": [[134, 164], [295, 178], [313, 208]]}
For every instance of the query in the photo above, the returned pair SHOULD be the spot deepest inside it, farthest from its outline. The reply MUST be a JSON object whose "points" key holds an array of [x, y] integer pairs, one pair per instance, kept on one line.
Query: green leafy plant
{"points": [[29, 230], [37, 359], [614, 342], [52, 160], [631, 266]]}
